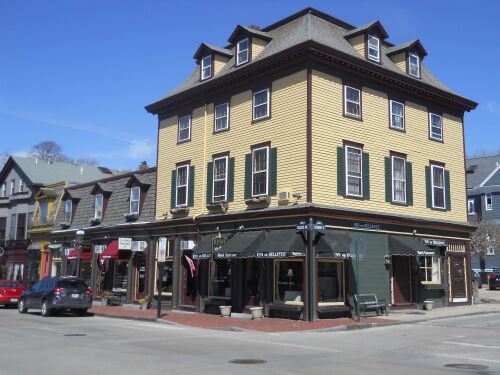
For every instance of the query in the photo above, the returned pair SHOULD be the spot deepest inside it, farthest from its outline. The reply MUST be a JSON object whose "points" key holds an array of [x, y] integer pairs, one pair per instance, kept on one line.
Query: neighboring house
{"points": [[23, 186], [312, 118], [483, 203], [114, 214]]}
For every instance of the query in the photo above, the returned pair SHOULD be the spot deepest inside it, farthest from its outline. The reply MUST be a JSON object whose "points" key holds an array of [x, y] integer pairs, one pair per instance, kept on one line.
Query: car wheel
{"points": [[45, 309], [81, 312], [21, 307]]}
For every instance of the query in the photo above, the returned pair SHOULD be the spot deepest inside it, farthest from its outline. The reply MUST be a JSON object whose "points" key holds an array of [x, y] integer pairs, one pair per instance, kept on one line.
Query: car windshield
{"points": [[9, 284], [73, 284]]}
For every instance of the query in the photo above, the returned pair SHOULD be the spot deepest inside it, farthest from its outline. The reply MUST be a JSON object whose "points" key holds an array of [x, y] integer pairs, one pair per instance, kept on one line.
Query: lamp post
{"points": [[80, 233]]}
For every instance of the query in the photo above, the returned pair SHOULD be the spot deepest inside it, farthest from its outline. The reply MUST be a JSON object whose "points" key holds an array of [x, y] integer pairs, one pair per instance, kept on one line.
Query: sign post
{"points": [[162, 253], [356, 250]]}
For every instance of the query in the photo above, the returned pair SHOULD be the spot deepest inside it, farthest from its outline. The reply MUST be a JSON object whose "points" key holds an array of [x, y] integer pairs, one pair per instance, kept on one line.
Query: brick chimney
{"points": [[255, 27], [143, 166]]}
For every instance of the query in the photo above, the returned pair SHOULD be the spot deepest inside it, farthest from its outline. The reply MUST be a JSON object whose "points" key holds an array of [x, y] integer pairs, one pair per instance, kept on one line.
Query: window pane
{"points": [[352, 94], [221, 112], [260, 104], [260, 160], [242, 49], [184, 127], [354, 161], [438, 197], [288, 281], [220, 278], [181, 176], [438, 176], [330, 281], [220, 171]]}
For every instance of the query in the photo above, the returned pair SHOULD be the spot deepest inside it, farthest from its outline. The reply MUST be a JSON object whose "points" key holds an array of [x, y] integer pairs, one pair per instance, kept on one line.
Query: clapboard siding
{"points": [[219, 63], [400, 60], [358, 43], [257, 46]]}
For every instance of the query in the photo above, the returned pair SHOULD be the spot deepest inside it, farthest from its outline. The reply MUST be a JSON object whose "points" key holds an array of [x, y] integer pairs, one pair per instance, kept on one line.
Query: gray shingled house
{"points": [[483, 203], [114, 213], [21, 179]]}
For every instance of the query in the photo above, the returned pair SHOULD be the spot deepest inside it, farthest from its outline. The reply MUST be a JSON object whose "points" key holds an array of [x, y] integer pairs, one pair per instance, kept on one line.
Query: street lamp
{"points": [[80, 233]]}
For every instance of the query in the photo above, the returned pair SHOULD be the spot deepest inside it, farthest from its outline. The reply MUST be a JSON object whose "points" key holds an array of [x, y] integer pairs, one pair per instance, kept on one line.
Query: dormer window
{"points": [[373, 48], [135, 194], [44, 210], [21, 185], [12, 187], [68, 210], [3, 190], [414, 64], [99, 204], [242, 51], [206, 67]]}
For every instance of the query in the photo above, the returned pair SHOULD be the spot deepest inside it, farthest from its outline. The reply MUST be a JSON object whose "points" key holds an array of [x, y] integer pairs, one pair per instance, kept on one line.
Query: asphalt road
{"points": [[67, 344]]}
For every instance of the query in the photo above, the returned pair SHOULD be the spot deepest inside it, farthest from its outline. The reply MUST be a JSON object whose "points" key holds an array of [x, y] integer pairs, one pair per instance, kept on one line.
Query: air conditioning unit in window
{"points": [[139, 245], [283, 198]]}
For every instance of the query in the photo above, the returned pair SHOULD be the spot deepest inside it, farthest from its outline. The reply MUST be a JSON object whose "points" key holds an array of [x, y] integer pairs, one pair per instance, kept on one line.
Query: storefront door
{"points": [[458, 292], [140, 281], [401, 280], [188, 282]]}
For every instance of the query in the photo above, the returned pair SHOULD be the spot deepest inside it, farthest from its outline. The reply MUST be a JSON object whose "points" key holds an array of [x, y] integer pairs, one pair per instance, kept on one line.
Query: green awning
{"points": [[408, 246], [281, 243], [241, 245], [334, 244], [203, 249]]}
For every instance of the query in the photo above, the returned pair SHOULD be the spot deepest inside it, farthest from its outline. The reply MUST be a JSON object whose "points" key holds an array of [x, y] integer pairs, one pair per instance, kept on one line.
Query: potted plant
{"points": [[225, 311], [256, 312], [428, 305], [144, 302], [104, 298]]}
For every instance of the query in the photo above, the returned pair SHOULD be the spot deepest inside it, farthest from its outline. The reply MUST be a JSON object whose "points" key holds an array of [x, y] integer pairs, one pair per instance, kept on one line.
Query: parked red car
{"points": [[10, 290]]}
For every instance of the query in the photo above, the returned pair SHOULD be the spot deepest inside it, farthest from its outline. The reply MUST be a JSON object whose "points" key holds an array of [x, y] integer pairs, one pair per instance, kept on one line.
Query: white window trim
{"points": [[267, 104], [179, 129], [347, 172], [203, 67], [469, 201], [95, 206], [21, 185], [177, 186], [488, 207], [432, 186], [350, 101], [435, 261], [226, 158], [393, 114], [3, 190], [430, 126], [217, 118], [394, 179], [267, 170], [238, 62], [377, 47], [12, 187], [410, 55], [70, 202], [135, 188]]}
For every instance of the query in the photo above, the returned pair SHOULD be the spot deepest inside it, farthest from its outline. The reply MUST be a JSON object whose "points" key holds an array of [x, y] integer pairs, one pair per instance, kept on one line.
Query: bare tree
{"points": [[47, 149], [87, 161], [486, 237]]}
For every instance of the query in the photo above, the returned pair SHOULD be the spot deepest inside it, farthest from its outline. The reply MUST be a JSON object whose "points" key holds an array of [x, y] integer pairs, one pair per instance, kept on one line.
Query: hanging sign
{"points": [[124, 243]]}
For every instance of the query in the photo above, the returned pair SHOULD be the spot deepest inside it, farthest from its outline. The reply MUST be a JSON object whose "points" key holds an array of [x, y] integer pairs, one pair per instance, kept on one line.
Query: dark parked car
{"points": [[56, 294], [494, 279]]}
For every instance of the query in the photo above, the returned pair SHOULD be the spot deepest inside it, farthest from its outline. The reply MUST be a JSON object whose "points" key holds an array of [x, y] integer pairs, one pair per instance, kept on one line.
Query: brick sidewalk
{"points": [[217, 322]]}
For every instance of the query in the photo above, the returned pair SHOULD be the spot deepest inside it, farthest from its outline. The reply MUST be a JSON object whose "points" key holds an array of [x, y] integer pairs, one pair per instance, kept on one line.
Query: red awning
{"points": [[84, 255], [111, 251]]}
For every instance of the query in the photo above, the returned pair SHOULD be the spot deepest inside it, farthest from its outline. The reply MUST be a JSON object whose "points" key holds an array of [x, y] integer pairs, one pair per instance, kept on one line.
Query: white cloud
{"points": [[493, 108], [23, 154], [140, 148]]}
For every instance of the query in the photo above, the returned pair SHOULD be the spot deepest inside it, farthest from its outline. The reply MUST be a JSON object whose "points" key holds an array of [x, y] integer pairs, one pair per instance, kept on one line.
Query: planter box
{"points": [[225, 311], [256, 312]]}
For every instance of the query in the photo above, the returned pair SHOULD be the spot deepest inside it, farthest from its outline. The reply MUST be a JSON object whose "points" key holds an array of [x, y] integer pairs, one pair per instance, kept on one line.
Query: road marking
{"points": [[472, 345], [467, 358]]}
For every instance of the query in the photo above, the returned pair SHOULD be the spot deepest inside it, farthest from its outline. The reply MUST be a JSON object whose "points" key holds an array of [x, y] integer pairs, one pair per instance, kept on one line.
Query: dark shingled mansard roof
{"points": [[481, 168]]}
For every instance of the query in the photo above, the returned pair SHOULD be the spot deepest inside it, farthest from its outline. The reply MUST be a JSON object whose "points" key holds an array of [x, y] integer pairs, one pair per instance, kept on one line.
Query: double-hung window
{"points": [[181, 189], [352, 101], [21, 185], [135, 194], [373, 48], [242, 51], [438, 187], [436, 126], [220, 179], [260, 171], [44, 210], [397, 115], [13, 224], [68, 210], [429, 269], [471, 207], [206, 67], [3, 190], [354, 168], [261, 104], [414, 65], [98, 206], [12, 187], [221, 117], [184, 128], [488, 202], [398, 179]]}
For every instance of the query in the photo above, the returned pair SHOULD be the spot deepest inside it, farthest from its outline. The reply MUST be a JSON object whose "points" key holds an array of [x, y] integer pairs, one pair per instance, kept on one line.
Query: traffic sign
{"points": [[162, 249]]}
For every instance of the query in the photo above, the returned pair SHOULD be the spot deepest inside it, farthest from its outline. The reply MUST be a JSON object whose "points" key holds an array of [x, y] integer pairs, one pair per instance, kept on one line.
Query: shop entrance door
{"points": [[402, 280], [458, 292], [188, 282], [140, 281]]}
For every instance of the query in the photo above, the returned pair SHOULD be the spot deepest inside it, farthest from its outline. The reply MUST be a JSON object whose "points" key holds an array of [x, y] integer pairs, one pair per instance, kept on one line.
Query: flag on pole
{"points": [[192, 267]]}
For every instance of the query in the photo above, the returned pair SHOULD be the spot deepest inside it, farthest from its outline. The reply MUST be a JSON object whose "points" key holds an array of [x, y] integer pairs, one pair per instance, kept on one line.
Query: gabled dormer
{"points": [[138, 189], [367, 40], [101, 193], [70, 200], [211, 60], [247, 43], [408, 57]]}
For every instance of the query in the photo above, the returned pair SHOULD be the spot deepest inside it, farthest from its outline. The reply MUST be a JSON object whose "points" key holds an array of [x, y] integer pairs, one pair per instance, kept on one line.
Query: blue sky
{"points": [[81, 72]]}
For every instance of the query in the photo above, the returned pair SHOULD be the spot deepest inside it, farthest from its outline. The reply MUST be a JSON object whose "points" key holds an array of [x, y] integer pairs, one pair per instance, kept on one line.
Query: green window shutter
{"points": [[428, 186], [230, 180], [248, 176], [447, 189], [409, 184], [172, 189], [210, 177], [366, 175], [273, 171], [191, 187], [340, 171], [388, 179]]}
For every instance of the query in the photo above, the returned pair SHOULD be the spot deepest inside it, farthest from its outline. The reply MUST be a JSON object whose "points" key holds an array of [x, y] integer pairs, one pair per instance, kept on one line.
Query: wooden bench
{"points": [[371, 302]]}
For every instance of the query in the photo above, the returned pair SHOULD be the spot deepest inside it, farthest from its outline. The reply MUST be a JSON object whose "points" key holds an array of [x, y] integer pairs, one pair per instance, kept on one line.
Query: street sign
{"points": [[162, 249], [319, 225], [125, 243], [302, 226]]}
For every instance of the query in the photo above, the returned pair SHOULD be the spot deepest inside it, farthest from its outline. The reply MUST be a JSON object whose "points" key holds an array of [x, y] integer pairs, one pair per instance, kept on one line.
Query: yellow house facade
{"points": [[312, 119]]}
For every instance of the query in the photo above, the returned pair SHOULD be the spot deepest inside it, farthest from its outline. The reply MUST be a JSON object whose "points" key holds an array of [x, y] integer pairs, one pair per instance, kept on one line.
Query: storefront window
{"points": [[16, 272], [120, 272], [429, 269], [168, 276], [330, 281], [85, 271], [220, 279], [56, 267], [288, 281]]}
